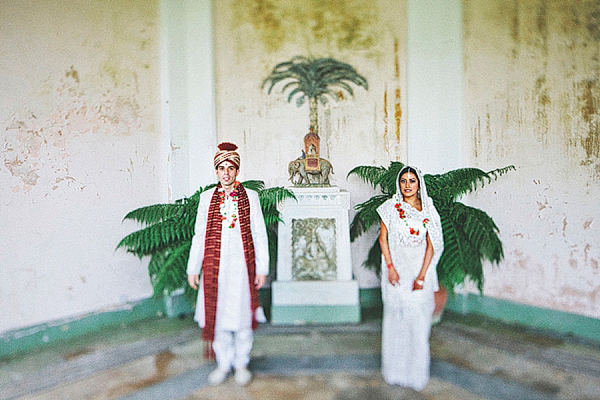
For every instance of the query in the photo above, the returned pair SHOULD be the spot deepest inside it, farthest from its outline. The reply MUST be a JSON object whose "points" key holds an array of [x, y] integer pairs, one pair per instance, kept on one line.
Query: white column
{"points": [[435, 85], [187, 94]]}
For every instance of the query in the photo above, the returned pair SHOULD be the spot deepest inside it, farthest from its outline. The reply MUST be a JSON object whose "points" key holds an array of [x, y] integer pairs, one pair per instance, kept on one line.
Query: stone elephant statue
{"points": [[299, 175]]}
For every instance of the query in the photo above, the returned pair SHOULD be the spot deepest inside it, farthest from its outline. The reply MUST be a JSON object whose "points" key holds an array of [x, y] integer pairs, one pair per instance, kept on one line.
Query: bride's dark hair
{"points": [[407, 169]]}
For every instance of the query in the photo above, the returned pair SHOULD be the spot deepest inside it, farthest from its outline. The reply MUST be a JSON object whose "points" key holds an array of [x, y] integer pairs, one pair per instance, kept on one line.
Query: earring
{"points": [[419, 193]]}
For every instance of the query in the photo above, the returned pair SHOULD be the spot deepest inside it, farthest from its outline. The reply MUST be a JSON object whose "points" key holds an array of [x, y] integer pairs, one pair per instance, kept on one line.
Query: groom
{"points": [[230, 246]]}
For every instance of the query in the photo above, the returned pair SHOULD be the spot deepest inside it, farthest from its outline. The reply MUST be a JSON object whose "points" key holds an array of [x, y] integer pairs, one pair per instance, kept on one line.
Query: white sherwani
{"points": [[233, 300]]}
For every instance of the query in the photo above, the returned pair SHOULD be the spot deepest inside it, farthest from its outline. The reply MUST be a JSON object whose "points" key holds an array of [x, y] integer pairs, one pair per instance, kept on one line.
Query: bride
{"points": [[411, 243]]}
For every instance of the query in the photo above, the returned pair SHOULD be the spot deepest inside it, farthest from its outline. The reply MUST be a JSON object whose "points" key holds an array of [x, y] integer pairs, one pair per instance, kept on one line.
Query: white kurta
{"points": [[233, 299], [406, 313]]}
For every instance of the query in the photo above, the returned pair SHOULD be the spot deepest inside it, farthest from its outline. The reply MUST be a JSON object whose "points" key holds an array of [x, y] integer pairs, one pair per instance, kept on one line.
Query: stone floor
{"points": [[472, 358]]}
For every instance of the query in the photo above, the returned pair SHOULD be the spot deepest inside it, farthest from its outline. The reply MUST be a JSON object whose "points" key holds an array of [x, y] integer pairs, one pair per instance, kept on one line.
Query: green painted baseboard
{"points": [[301, 315], [25, 339], [534, 317]]}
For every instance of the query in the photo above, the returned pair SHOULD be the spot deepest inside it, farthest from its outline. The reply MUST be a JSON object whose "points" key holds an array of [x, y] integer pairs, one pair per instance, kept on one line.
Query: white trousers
{"points": [[232, 348]]}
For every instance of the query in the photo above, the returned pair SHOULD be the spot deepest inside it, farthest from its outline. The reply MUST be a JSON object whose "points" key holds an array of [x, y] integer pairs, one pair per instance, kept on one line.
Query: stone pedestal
{"points": [[314, 269]]}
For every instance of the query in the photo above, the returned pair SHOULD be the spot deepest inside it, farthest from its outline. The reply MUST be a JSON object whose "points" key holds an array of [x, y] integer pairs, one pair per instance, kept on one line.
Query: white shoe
{"points": [[217, 376], [242, 376]]}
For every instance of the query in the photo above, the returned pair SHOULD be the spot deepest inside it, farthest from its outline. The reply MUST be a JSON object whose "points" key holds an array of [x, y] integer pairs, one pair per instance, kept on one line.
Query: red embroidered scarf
{"points": [[212, 256]]}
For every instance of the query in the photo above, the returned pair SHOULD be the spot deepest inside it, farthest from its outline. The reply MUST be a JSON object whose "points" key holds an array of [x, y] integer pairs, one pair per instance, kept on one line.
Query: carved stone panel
{"points": [[314, 249]]}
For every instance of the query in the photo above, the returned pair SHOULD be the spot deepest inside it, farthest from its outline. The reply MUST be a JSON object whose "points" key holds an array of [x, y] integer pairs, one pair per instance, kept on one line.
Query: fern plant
{"points": [[470, 234], [168, 230]]}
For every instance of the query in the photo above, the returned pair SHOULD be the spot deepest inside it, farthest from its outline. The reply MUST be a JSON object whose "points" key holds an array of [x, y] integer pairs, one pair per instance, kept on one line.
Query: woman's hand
{"points": [[393, 276], [418, 284]]}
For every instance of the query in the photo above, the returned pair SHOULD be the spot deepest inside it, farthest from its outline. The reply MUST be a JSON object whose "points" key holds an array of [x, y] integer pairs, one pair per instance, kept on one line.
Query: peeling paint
{"points": [[573, 263], [39, 145]]}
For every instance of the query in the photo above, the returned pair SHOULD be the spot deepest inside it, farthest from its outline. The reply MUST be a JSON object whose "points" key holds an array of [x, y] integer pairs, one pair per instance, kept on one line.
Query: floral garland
{"points": [[234, 196], [402, 215]]}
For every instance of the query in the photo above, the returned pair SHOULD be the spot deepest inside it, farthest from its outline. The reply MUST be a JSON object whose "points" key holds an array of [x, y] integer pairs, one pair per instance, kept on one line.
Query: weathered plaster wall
{"points": [[252, 36], [532, 100], [80, 147]]}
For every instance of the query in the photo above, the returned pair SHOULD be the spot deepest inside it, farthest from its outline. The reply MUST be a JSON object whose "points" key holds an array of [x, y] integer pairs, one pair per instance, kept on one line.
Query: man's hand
{"points": [[194, 281], [259, 281]]}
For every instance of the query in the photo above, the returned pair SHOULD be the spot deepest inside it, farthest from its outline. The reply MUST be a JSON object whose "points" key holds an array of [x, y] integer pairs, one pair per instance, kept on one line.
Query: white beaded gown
{"points": [[407, 314]]}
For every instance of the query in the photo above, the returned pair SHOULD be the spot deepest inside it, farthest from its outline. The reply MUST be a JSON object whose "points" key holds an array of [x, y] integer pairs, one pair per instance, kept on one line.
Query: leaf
{"points": [[453, 184], [367, 173], [255, 185], [155, 213], [373, 260], [387, 180], [366, 216]]}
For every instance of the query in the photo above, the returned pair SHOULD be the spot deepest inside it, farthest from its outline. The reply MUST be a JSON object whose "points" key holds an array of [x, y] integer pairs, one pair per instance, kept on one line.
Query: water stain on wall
{"points": [[398, 94], [551, 86], [542, 26], [345, 24], [72, 73], [593, 20], [589, 111], [515, 32]]}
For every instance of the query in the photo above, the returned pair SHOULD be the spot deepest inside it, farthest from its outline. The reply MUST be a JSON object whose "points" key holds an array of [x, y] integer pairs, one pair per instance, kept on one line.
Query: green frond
{"points": [[156, 262], [501, 171], [271, 218], [255, 185], [387, 180], [369, 174], [156, 237], [172, 273], [190, 294], [452, 185], [373, 261], [272, 237], [271, 197], [470, 236], [155, 213], [480, 230], [366, 216]]}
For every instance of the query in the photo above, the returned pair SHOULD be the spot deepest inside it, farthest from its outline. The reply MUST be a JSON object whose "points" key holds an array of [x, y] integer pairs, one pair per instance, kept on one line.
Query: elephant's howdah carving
{"points": [[302, 176]]}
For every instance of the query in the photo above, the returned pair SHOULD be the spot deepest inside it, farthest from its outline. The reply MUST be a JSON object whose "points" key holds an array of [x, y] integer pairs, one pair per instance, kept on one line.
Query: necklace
{"points": [[402, 215], [231, 218]]}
